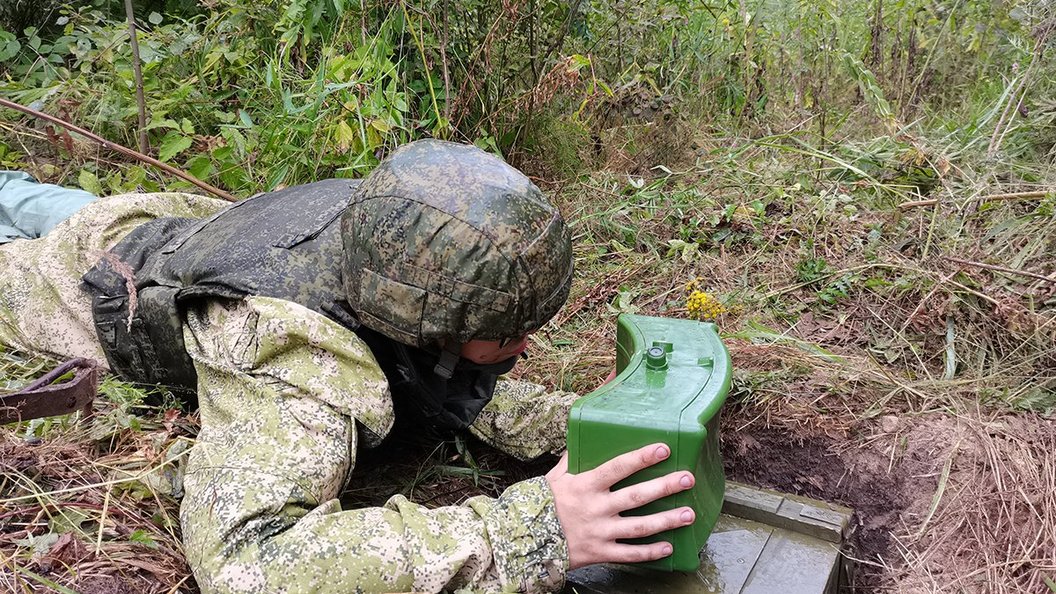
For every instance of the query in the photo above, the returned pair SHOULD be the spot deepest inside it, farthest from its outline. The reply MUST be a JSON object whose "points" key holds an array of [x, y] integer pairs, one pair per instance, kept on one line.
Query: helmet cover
{"points": [[443, 241]]}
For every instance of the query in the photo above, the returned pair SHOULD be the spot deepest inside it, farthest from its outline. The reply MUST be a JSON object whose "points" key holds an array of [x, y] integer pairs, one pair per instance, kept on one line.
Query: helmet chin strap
{"points": [[449, 356]]}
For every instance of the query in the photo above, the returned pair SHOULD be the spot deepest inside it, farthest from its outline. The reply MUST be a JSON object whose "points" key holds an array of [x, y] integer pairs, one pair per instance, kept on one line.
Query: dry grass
{"points": [[991, 522], [889, 331], [88, 505], [74, 515]]}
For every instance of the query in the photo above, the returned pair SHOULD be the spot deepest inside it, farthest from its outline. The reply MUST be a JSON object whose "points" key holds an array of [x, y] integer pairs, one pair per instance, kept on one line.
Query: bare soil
{"points": [[811, 465], [935, 496]]}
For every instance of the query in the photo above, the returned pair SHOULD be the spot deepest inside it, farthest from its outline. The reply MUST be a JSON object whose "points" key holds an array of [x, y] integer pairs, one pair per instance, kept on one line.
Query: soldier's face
{"points": [[486, 352]]}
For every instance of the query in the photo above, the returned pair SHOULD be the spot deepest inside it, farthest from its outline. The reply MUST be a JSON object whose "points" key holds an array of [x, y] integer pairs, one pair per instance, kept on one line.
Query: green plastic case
{"points": [[673, 377]]}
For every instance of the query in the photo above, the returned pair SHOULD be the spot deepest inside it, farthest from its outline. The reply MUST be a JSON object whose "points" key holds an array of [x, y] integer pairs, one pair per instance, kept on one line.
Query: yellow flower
{"points": [[702, 306]]}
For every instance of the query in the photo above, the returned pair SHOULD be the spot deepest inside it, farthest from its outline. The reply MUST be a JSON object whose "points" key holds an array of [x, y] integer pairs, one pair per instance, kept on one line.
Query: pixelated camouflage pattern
{"points": [[284, 244], [43, 308], [289, 395], [444, 240], [524, 419], [285, 395]]}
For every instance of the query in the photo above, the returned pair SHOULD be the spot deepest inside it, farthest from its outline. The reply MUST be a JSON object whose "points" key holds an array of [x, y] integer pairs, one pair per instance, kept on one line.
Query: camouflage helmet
{"points": [[444, 241]]}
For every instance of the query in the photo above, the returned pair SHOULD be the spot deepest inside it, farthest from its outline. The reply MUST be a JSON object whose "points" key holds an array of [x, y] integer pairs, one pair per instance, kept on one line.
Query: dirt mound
{"points": [[939, 500]]}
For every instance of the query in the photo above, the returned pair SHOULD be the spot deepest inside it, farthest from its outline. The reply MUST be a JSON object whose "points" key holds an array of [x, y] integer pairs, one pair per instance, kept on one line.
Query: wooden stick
{"points": [[987, 198], [1051, 279], [187, 177], [1018, 195], [916, 203], [138, 72]]}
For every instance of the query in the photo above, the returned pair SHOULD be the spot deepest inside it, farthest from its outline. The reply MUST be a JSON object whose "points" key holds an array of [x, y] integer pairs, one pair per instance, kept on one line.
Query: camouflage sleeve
{"points": [[285, 396], [524, 419]]}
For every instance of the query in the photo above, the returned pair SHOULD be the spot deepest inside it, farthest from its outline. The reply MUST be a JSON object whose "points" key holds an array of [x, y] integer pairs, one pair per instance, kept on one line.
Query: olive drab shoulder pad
{"points": [[446, 241]]}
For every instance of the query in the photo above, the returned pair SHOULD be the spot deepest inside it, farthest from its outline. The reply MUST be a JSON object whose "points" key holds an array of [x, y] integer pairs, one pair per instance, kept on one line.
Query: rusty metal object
{"points": [[42, 398]]}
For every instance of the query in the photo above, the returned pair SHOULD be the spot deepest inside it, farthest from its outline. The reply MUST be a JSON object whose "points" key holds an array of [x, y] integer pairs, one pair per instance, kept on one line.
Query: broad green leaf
{"points": [[278, 176], [578, 62], [154, 18], [89, 182], [40, 544], [173, 144], [224, 153], [200, 166], [234, 176], [162, 123], [69, 519], [344, 135], [143, 538], [9, 45], [381, 126]]}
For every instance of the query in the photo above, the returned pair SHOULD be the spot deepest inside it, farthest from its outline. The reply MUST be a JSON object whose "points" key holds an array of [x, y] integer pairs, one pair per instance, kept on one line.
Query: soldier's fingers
{"points": [[624, 465], [639, 494], [625, 553], [639, 526]]}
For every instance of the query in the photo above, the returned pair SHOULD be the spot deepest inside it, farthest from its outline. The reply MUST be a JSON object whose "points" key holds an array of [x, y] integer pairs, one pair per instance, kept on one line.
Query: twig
{"points": [[1051, 278], [1000, 269], [971, 291], [916, 203], [987, 198], [140, 101], [102, 517], [419, 40], [1017, 195], [120, 149], [443, 64]]}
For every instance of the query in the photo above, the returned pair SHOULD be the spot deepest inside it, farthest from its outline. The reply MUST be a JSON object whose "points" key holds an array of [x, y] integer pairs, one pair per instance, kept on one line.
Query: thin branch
{"points": [[120, 149], [140, 101], [1017, 195], [1000, 269], [1015, 100], [987, 198], [443, 63]]}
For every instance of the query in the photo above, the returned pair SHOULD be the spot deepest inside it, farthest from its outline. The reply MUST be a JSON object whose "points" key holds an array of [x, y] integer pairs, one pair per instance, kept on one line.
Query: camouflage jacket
{"points": [[287, 396]]}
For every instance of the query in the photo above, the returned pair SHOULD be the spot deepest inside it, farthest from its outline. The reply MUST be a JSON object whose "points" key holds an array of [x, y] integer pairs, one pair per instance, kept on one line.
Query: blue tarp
{"points": [[29, 209]]}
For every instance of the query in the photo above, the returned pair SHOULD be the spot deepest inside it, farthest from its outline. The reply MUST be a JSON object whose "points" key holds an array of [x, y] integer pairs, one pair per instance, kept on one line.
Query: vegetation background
{"points": [[860, 194]]}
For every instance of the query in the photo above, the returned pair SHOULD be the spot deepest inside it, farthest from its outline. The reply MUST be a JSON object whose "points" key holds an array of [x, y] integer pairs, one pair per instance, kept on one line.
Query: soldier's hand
{"points": [[590, 513]]}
